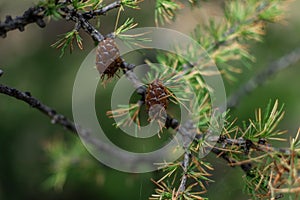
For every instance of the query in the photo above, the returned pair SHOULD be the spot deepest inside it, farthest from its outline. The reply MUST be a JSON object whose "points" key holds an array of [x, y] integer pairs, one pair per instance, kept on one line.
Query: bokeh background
{"points": [[39, 160]]}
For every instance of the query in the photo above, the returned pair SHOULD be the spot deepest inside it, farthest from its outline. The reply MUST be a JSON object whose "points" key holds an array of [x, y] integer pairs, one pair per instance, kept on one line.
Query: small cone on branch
{"points": [[108, 60], [156, 93], [156, 101]]}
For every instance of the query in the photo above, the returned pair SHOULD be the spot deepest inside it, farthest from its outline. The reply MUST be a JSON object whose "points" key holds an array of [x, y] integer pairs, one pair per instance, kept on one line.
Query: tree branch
{"points": [[91, 14], [81, 19], [82, 22], [37, 13], [26, 97], [259, 79], [185, 165], [31, 15], [68, 124], [186, 131]]}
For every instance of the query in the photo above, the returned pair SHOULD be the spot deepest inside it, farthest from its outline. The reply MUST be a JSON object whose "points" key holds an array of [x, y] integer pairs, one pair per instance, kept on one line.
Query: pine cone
{"points": [[108, 60], [156, 93]]}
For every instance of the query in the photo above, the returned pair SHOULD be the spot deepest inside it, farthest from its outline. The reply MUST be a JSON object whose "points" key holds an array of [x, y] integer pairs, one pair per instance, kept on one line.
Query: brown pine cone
{"points": [[156, 93], [108, 60]]}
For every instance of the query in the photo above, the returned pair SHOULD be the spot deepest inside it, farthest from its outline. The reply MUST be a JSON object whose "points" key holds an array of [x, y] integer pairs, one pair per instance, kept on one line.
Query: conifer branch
{"points": [[83, 23], [247, 144], [37, 13], [68, 124], [102, 11], [233, 150], [26, 97], [31, 15]]}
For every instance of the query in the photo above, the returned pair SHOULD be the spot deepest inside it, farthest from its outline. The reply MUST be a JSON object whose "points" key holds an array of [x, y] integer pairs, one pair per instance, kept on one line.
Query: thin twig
{"points": [[273, 68], [185, 165], [248, 144], [188, 131], [56, 118], [31, 15], [102, 11], [246, 167], [87, 27], [36, 14]]}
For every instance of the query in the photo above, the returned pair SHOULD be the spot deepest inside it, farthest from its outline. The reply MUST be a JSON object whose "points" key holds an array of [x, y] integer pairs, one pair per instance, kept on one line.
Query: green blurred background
{"points": [[30, 64]]}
